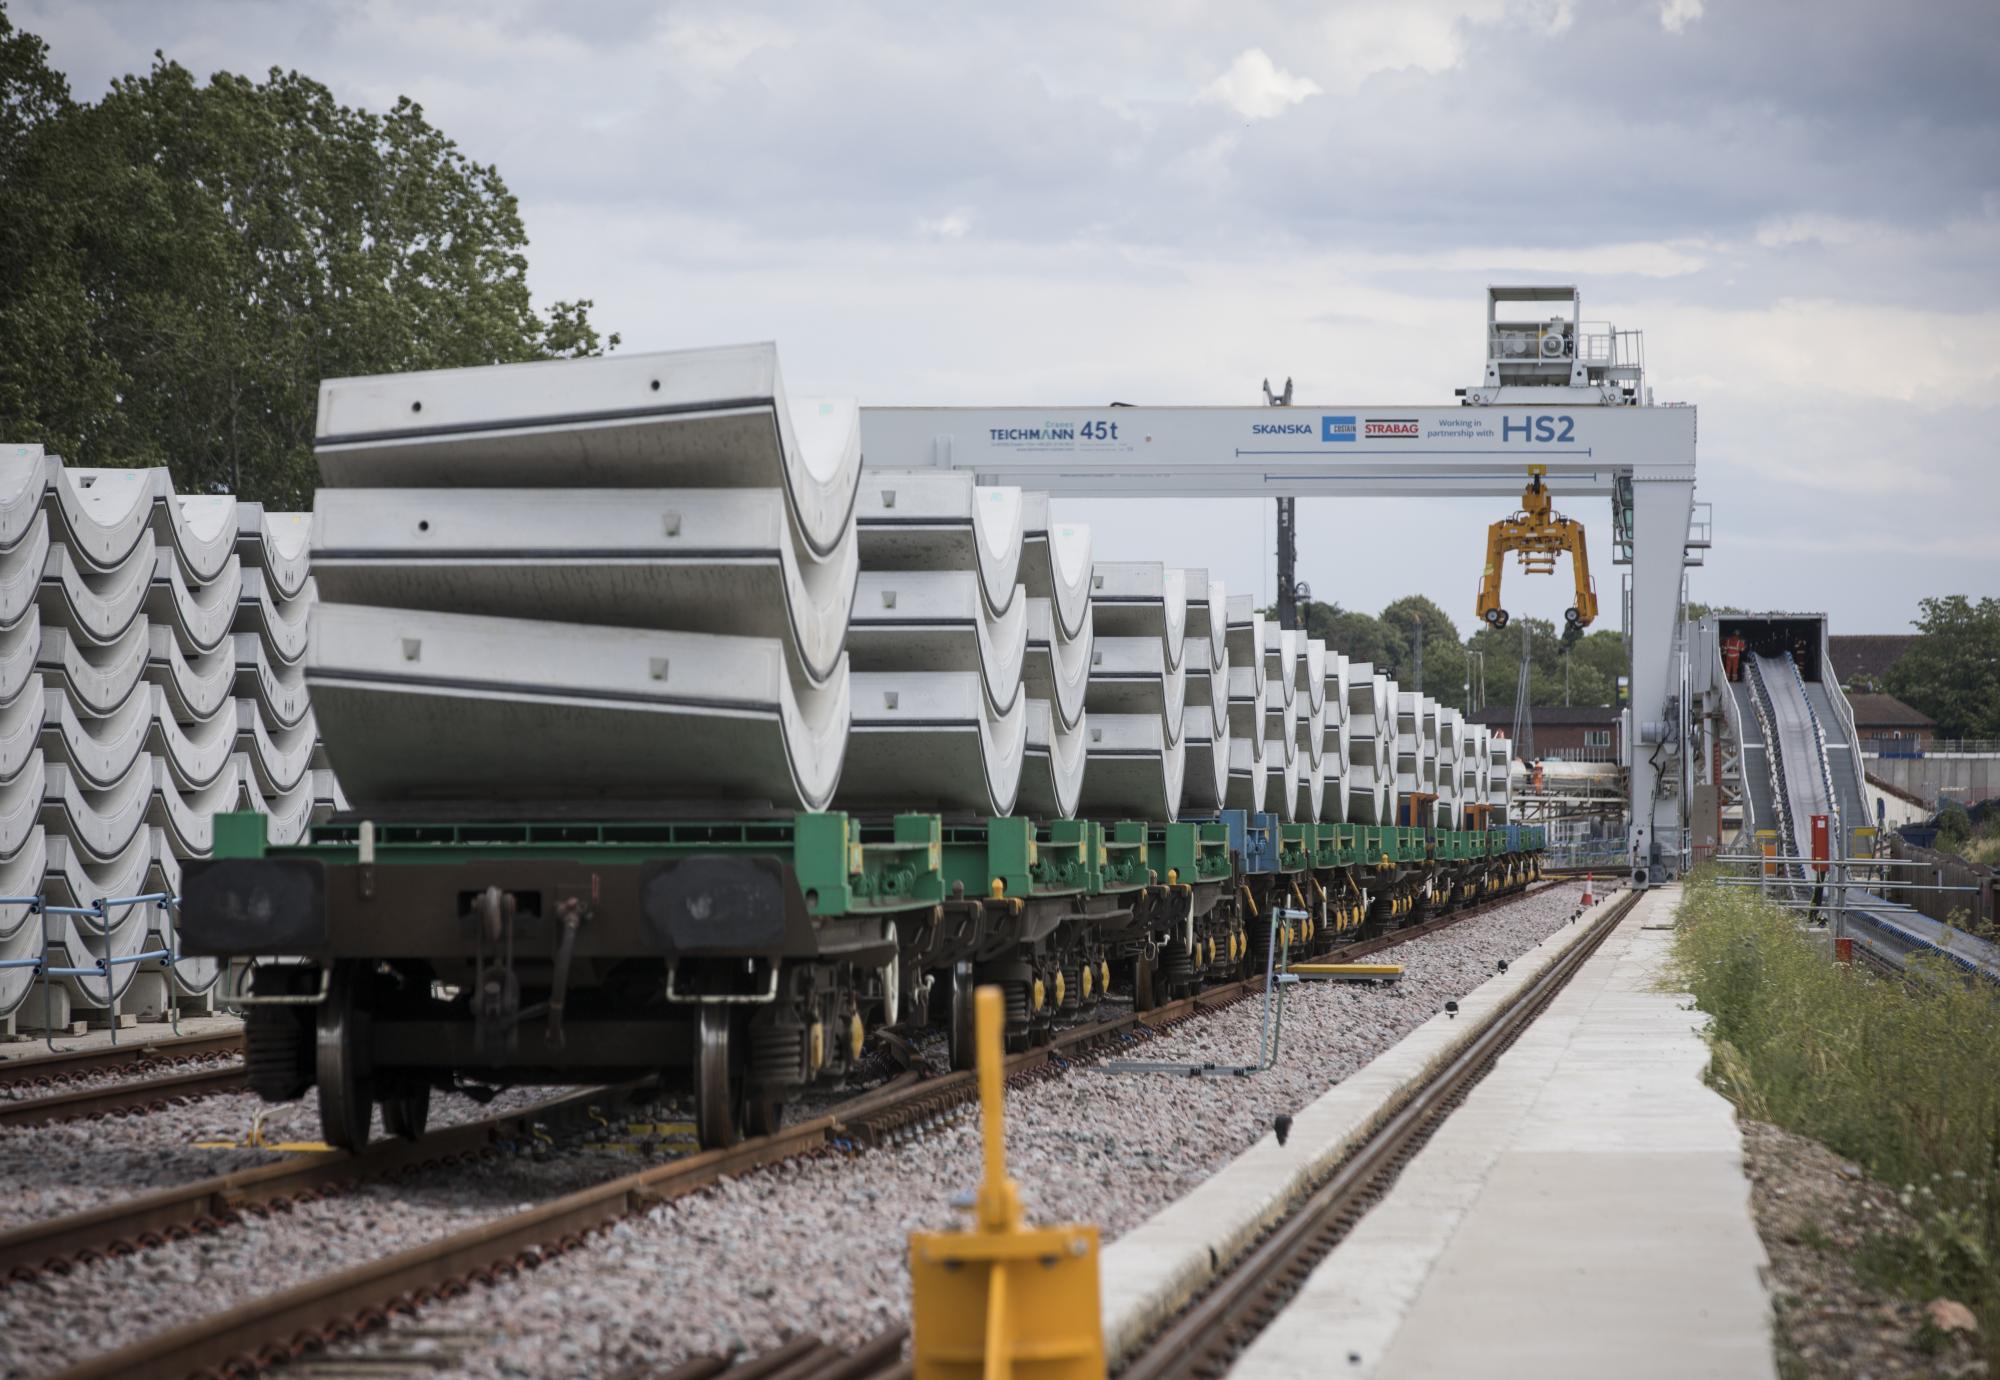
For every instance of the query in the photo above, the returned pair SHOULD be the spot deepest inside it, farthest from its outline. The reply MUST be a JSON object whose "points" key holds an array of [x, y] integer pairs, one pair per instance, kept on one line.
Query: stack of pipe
{"points": [[1206, 717], [1136, 755], [586, 584], [939, 640], [121, 733], [1312, 730], [1055, 568], [1336, 739], [1281, 720], [1249, 781]]}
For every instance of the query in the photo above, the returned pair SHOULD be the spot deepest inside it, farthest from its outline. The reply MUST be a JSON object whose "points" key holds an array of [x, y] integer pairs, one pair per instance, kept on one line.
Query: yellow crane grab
{"points": [[1540, 535]]}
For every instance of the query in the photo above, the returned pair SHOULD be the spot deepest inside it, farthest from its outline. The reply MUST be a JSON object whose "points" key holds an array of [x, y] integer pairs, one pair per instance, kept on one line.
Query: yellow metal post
{"points": [[1003, 1300]]}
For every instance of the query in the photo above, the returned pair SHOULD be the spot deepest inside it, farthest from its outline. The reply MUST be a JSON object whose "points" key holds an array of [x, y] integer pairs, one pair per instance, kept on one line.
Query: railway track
{"points": [[47, 1070], [1204, 1340], [133, 1098], [299, 1321]]}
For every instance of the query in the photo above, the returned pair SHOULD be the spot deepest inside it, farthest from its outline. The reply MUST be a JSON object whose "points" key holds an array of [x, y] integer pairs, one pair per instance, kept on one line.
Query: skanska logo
{"points": [[1336, 428], [1281, 428]]}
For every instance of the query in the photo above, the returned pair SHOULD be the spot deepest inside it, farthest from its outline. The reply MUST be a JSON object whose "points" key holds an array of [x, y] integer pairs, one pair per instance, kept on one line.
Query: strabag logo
{"points": [[1391, 429], [1336, 428]]}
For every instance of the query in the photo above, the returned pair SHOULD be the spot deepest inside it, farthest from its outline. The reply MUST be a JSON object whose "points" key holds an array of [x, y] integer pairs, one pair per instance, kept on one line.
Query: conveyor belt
{"points": [[1799, 760]]}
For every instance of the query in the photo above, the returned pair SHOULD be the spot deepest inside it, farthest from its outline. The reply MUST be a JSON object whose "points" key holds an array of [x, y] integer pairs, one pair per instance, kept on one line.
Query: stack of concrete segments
{"points": [[1206, 717], [1282, 714], [1249, 781], [1312, 729], [1450, 768], [661, 552], [286, 777], [24, 550], [1410, 777], [1500, 783], [939, 643], [1335, 737], [1371, 706], [111, 766], [1055, 569], [1135, 752], [1477, 751]]}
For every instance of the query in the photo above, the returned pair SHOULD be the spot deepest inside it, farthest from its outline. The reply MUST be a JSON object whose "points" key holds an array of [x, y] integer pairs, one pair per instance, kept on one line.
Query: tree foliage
{"points": [[190, 260], [1952, 671]]}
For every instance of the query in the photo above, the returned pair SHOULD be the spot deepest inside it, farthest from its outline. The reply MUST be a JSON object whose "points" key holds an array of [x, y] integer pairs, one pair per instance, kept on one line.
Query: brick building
{"points": [[1567, 733]]}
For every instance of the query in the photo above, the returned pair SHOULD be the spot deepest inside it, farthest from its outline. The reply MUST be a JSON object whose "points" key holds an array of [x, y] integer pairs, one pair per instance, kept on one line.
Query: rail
{"points": [[1214, 1328]]}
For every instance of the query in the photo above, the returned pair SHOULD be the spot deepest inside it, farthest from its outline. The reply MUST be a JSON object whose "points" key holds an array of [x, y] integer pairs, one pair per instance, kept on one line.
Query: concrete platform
{"points": [[1584, 1213]]}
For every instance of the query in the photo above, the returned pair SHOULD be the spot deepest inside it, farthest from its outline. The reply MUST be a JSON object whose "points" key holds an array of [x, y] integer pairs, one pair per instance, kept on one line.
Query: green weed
{"points": [[1902, 1078]]}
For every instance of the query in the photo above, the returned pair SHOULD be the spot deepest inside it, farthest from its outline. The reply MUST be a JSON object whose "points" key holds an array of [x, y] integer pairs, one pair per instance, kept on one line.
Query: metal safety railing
{"points": [[45, 968]]}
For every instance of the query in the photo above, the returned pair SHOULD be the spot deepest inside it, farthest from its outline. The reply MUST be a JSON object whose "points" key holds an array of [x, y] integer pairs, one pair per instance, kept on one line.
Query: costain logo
{"points": [[1336, 428]]}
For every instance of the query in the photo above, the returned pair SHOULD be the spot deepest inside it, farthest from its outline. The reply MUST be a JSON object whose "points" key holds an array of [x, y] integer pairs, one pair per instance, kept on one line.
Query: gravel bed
{"points": [[68, 1166], [1814, 1211], [818, 1244]]}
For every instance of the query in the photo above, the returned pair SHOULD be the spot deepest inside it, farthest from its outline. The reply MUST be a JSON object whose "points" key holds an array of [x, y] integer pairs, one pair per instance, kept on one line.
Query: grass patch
{"points": [[1904, 1079]]}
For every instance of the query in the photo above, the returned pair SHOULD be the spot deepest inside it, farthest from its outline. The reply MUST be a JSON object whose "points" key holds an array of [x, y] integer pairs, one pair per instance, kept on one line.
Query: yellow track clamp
{"points": [[254, 1140], [1002, 1298]]}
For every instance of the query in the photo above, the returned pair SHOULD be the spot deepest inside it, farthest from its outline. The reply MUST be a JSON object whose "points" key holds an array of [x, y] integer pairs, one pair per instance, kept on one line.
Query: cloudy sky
{"points": [[1164, 202]]}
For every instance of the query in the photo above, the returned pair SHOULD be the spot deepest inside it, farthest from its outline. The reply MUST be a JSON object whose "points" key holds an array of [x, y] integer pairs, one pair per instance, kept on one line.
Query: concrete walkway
{"points": [[1584, 1214]]}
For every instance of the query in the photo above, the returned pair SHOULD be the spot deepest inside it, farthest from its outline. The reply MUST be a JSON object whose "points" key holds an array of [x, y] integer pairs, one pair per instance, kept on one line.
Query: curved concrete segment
{"points": [[201, 615], [696, 419], [280, 619], [1312, 671], [203, 530], [1052, 766], [1207, 616], [703, 560], [98, 678], [1141, 599], [932, 740], [1057, 668], [1281, 662], [1205, 781], [20, 652], [100, 822], [21, 567], [1055, 561], [1131, 675], [101, 516], [197, 749], [279, 544], [1249, 781], [1247, 706], [1131, 771], [941, 520], [196, 687], [100, 605], [24, 479], [936, 620], [277, 688], [99, 749], [419, 704]]}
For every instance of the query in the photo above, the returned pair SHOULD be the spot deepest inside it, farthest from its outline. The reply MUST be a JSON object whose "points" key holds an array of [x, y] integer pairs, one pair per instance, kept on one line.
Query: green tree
{"points": [[1444, 653], [1952, 671], [191, 260], [1357, 636]]}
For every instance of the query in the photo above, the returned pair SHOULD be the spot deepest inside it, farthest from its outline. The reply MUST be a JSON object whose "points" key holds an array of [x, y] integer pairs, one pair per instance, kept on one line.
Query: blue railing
{"points": [[45, 968]]}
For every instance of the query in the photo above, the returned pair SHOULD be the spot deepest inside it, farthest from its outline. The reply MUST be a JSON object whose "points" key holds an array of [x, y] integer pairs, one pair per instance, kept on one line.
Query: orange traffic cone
{"points": [[1588, 899]]}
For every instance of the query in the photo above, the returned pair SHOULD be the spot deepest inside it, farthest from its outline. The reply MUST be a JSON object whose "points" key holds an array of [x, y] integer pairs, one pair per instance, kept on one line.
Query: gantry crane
{"points": [[1540, 535]]}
